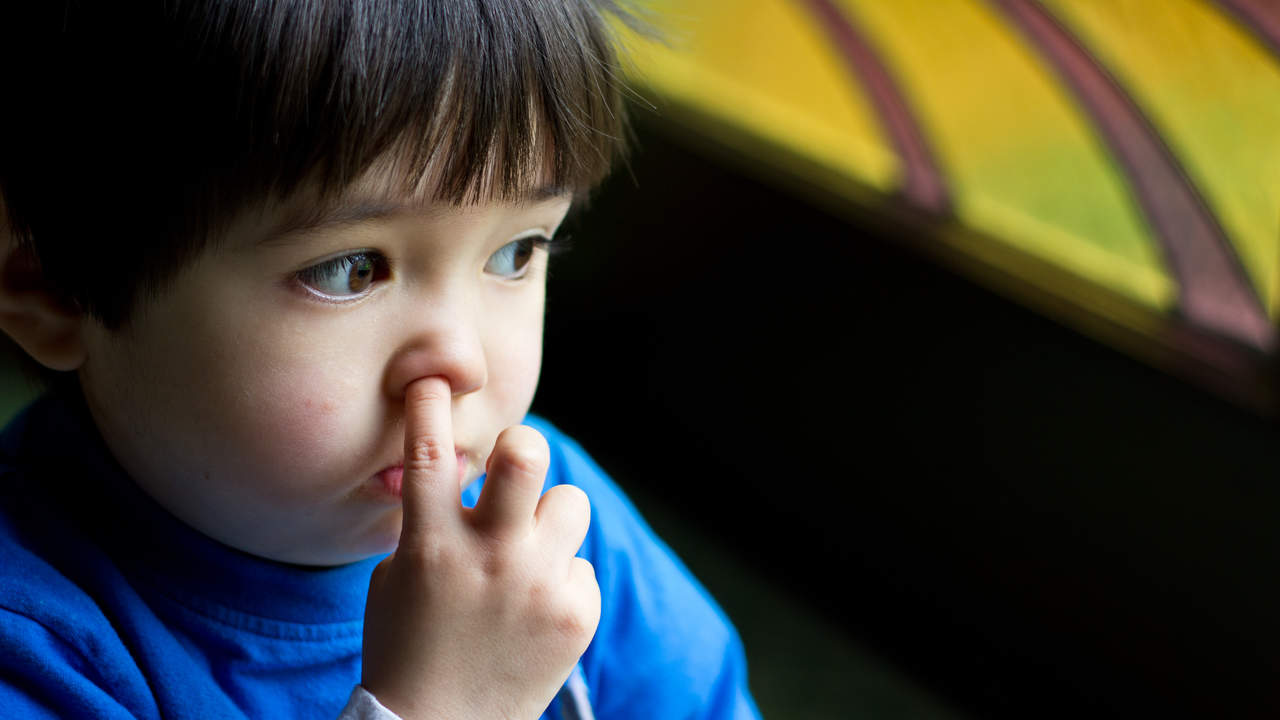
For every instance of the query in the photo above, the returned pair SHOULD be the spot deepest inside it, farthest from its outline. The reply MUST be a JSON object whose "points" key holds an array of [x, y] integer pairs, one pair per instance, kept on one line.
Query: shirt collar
{"points": [[56, 450]]}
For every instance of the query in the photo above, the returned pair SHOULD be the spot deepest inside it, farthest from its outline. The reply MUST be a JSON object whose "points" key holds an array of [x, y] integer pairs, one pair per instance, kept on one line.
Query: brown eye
{"points": [[360, 274], [347, 276]]}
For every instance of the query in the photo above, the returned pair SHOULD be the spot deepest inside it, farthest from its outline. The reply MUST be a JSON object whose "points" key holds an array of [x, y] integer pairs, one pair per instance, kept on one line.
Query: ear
{"points": [[45, 326]]}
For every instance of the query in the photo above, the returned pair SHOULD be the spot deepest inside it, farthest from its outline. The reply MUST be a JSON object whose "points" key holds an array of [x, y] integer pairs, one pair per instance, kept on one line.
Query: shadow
{"points": [[1022, 520]]}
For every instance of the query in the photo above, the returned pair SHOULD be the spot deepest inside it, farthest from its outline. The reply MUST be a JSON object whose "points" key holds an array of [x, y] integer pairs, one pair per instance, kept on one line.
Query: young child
{"points": [[288, 259]]}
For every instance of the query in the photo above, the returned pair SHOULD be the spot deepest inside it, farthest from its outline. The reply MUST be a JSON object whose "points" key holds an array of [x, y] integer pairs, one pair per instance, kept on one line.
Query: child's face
{"points": [[259, 397]]}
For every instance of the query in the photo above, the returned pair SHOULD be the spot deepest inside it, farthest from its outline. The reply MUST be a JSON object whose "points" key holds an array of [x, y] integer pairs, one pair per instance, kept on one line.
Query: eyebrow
{"points": [[354, 212]]}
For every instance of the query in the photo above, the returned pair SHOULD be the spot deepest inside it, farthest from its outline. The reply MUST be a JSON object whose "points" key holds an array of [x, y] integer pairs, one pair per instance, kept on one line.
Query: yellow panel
{"points": [[1022, 159], [764, 67], [1214, 93]]}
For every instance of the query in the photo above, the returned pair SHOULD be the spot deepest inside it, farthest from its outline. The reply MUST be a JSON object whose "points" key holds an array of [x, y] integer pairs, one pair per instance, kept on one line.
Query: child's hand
{"points": [[479, 613]]}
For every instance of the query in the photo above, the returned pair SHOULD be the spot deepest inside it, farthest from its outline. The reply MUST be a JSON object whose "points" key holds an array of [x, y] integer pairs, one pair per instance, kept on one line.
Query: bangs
{"points": [[169, 119], [473, 100]]}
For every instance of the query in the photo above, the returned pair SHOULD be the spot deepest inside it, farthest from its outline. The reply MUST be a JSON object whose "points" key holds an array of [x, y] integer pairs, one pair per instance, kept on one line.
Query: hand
{"points": [[479, 613]]}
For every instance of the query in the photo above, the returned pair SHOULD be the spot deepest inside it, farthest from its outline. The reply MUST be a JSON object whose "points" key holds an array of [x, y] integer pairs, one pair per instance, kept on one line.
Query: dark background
{"points": [[1014, 518]]}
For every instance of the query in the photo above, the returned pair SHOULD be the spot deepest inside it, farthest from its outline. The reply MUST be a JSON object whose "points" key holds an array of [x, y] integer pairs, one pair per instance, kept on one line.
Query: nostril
{"points": [[457, 356]]}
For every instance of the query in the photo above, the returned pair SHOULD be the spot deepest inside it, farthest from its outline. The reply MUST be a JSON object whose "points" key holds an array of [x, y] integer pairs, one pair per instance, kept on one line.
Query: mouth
{"points": [[392, 478]]}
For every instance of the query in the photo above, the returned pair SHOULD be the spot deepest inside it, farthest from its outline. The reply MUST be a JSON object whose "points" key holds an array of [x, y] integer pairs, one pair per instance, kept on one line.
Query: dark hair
{"points": [[131, 133]]}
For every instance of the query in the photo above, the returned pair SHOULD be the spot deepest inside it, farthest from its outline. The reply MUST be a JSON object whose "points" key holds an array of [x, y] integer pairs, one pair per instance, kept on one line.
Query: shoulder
{"points": [[40, 554], [58, 651], [571, 465], [30, 585], [569, 462], [37, 543], [617, 527], [614, 515]]}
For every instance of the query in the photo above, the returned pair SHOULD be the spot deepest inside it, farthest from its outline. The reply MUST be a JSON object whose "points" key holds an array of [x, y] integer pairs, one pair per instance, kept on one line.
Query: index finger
{"points": [[430, 494]]}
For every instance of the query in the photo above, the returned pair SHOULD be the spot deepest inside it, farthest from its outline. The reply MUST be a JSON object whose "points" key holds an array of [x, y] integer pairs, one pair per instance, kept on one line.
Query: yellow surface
{"points": [[763, 67], [1021, 158], [1030, 177], [1213, 92]]}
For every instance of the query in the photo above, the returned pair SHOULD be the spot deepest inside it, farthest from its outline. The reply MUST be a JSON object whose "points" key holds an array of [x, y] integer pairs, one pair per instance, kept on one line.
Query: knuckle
{"points": [[584, 567], [581, 616], [495, 562], [575, 625], [523, 450], [425, 453], [591, 589], [523, 463], [431, 559], [562, 610], [568, 611], [585, 575]]}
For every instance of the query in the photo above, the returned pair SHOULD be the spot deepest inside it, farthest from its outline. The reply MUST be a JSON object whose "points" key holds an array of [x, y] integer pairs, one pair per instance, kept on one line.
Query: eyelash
{"points": [[312, 276], [552, 247], [556, 247]]}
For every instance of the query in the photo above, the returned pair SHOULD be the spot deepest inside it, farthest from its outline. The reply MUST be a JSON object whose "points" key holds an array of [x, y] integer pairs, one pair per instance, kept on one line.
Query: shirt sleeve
{"points": [[664, 648], [362, 705]]}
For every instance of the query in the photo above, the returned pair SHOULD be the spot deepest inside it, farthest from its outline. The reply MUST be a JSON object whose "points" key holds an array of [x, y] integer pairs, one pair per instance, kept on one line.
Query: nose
{"points": [[446, 341]]}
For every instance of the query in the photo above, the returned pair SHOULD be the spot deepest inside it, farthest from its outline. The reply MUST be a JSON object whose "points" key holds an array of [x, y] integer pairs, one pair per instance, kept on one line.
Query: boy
{"points": [[288, 258]]}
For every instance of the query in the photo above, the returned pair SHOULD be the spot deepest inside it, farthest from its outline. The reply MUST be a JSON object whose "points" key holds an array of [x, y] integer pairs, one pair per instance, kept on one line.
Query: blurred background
{"points": [[939, 338]]}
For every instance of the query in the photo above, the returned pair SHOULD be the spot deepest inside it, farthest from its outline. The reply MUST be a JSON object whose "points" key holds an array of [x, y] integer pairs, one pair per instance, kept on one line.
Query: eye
{"points": [[347, 276], [512, 260]]}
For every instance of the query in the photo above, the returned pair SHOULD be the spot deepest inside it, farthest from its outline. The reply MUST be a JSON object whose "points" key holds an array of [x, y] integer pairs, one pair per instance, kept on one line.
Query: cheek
{"points": [[296, 419], [515, 364], [290, 424]]}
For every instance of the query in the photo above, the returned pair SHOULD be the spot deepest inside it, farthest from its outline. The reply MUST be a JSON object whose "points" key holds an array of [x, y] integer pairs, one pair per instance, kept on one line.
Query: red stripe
{"points": [[1261, 17], [923, 184], [1216, 293]]}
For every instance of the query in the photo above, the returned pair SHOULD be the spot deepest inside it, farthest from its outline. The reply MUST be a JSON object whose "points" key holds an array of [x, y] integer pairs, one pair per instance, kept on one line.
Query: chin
{"points": [[381, 539], [385, 539]]}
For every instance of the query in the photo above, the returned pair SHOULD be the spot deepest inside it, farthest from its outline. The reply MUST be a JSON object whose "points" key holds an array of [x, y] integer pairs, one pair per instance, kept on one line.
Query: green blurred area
{"points": [[18, 385]]}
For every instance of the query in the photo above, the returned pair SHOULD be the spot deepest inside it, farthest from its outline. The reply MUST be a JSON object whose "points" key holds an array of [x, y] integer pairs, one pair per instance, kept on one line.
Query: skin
{"points": [[261, 413], [478, 614], [267, 416]]}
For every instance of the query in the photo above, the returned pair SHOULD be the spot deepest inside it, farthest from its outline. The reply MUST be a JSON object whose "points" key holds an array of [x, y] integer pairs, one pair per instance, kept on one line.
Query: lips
{"points": [[392, 478]]}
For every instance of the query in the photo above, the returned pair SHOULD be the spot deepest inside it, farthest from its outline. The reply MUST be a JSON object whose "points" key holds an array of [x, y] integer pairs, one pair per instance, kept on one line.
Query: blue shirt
{"points": [[112, 608]]}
